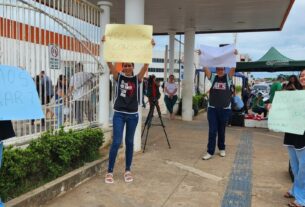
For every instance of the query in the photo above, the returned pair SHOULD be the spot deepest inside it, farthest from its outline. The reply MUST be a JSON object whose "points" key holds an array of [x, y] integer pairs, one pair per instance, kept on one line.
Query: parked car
{"points": [[263, 88]]}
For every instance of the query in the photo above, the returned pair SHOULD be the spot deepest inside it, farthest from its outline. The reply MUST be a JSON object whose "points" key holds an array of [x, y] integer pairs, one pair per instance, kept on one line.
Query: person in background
{"points": [[7, 131], [80, 84], [293, 83], [170, 98], [60, 98], [47, 91], [41, 93], [125, 115], [44, 88], [276, 86], [245, 97], [47, 85], [237, 105], [144, 93], [302, 79], [296, 149], [259, 105]]}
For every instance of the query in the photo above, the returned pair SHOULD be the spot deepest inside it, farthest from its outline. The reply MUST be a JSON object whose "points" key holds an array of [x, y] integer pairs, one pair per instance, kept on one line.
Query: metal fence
{"points": [[57, 43]]}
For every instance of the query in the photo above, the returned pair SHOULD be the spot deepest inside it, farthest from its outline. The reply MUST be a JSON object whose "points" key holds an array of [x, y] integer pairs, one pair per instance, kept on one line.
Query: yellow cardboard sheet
{"points": [[128, 43]]}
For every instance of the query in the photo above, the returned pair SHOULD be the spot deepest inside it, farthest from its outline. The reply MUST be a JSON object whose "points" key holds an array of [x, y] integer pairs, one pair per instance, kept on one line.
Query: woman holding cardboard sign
{"points": [[296, 150], [126, 114]]}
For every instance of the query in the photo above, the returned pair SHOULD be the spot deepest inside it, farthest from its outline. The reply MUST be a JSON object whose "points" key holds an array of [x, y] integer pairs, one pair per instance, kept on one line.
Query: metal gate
{"points": [[57, 43]]}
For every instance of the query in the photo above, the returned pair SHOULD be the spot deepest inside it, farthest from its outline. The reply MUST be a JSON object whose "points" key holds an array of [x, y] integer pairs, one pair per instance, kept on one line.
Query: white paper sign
{"points": [[287, 113], [217, 56]]}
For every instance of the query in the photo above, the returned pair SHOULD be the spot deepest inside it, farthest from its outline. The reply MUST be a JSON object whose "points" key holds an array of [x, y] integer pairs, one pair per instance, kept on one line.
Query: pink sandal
{"points": [[128, 177], [109, 178]]}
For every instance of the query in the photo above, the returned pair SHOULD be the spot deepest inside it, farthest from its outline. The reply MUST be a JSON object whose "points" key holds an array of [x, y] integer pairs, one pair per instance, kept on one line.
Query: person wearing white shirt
{"points": [[80, 84], [170, 98]]}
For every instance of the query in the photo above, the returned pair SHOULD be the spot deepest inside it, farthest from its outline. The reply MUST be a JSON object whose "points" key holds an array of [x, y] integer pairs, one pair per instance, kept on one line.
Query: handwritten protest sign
{"points": [[18, 95], [217, 56], [287, 113], [128, 43]]}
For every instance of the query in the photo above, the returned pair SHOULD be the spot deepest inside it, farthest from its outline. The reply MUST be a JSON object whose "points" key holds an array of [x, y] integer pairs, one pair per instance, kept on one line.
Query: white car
{"points": [[263, 88]]}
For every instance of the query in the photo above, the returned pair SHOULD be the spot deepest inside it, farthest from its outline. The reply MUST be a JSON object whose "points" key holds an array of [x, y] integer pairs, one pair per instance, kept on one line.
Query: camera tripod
{"points": [[153, 104]]}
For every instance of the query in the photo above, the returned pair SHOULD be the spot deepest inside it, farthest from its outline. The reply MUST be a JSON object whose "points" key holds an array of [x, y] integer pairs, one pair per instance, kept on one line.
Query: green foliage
{"points": [[50, 156], [199, 102], [238, 89]]}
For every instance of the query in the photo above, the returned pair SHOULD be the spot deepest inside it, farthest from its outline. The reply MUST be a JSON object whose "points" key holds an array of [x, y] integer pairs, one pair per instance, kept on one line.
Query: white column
{"points": [[134, 11], [134, 14], [188, 82], [165, 63], [104, 78], [171, 52]]}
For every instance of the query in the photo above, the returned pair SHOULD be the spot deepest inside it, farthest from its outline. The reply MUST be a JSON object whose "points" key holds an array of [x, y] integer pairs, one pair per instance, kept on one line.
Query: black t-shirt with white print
{"points": [[127, 94]]}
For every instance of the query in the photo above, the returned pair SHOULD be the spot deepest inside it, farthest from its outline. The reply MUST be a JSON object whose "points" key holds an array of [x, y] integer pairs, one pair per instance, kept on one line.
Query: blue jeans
{"points": [[218, 118], [297, 162], [170, 102], [119, 121], [58, 113]]}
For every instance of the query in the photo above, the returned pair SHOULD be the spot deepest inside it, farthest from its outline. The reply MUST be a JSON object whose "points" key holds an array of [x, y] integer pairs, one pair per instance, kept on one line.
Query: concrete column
{"points": [[165, 63], [104, 78], [134, 14], [134, 11], [171, 52], [188, 82]]}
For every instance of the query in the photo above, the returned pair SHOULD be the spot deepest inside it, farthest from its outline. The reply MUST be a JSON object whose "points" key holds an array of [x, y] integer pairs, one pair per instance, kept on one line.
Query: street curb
{"points": [[58, 187]]}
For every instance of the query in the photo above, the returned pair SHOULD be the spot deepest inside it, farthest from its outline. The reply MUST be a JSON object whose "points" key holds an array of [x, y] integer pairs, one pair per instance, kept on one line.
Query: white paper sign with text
{"points": [[217, 56]]}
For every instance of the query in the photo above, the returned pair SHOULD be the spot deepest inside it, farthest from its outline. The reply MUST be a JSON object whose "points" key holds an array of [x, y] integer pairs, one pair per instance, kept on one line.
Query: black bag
{"points": [[6, 130], [237, 119]]}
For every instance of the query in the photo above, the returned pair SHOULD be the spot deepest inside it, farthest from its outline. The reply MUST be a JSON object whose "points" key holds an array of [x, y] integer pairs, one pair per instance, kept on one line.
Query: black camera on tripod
{"points": [[153, 85], [153, 95]]}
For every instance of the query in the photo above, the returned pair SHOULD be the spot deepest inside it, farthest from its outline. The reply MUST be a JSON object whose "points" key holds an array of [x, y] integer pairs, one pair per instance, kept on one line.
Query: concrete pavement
{"points": [[255, 168]]}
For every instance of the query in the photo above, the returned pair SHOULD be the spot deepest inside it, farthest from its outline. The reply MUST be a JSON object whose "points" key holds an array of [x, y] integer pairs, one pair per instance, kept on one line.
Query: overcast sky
{"points": [[290, 41]]}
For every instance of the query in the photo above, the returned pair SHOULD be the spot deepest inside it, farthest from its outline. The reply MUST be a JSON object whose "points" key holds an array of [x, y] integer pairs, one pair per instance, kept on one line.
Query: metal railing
{"points": [[57, 43]]}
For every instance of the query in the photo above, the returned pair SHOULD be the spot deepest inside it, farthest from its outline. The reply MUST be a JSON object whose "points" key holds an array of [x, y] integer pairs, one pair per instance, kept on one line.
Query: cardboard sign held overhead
{"points": [[217, 56], [128, 43]]}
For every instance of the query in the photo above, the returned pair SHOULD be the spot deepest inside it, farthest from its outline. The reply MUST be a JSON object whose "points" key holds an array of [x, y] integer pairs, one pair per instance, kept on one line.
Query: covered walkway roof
{"points": [[209, 16]]}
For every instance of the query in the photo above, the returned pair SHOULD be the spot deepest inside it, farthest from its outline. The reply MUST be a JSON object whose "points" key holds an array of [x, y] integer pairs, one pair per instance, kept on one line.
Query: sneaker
{"points": [[207, 156], [222, 153]]}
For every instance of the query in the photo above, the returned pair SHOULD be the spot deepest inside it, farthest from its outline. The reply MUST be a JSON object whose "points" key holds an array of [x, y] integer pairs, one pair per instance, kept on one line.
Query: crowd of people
{"points": [[223, 99], [295, 143], [260, 105], [75, 90]]}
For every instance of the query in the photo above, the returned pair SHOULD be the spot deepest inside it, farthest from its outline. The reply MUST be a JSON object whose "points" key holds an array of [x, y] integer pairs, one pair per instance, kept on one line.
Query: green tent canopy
{"points": [[272, 61]]}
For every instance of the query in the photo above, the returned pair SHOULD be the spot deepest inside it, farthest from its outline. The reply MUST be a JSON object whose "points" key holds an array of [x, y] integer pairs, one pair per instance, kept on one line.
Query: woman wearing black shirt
{"points": [[125, 114], [296, 150]]}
